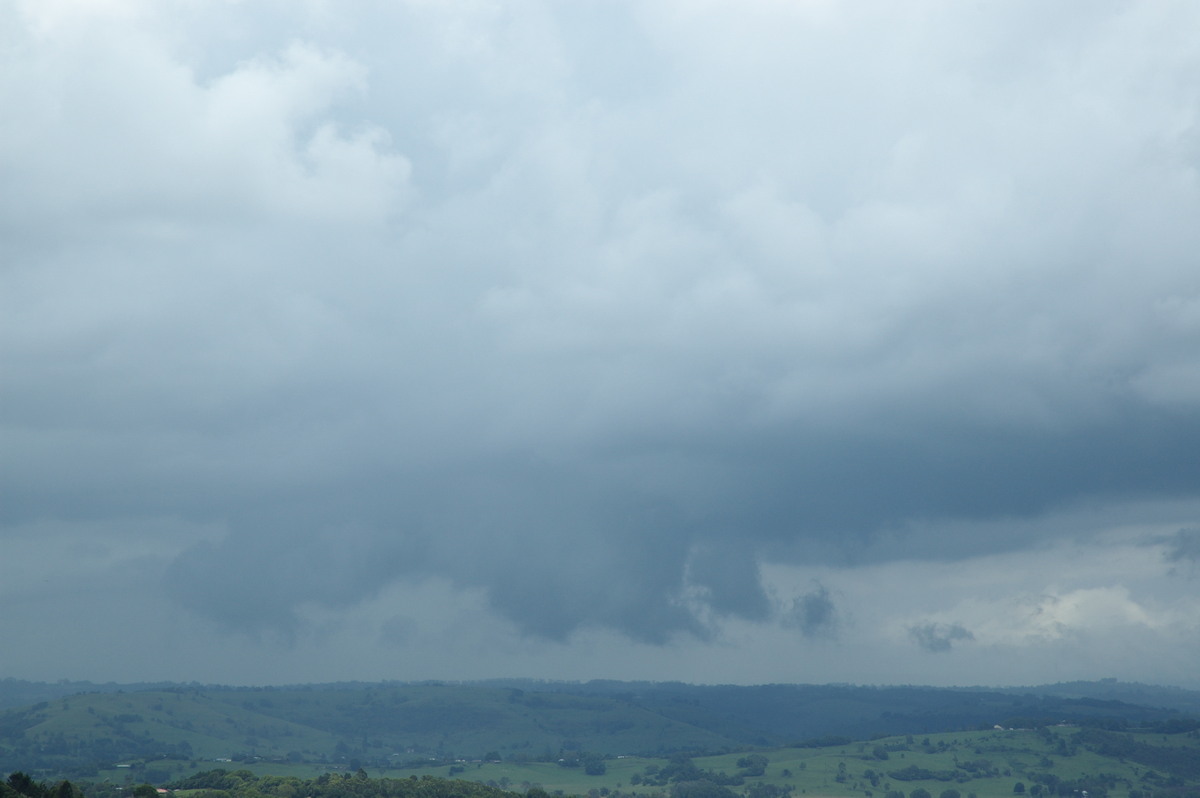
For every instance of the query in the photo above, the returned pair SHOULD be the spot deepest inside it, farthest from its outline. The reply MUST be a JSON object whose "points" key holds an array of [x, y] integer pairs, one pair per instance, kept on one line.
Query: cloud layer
{"points": [[582, 328]]}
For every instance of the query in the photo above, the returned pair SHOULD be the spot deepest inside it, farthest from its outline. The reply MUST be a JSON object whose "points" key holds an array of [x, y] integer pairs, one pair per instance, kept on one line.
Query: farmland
{"points": [[602, 740]]}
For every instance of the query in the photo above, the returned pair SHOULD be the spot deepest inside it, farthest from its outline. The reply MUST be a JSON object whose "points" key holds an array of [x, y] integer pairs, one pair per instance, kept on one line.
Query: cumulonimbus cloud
{"points": [[468, 307]]}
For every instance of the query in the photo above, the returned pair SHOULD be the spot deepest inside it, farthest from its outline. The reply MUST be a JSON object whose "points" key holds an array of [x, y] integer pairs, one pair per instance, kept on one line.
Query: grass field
{"points": [[1000, 759]]}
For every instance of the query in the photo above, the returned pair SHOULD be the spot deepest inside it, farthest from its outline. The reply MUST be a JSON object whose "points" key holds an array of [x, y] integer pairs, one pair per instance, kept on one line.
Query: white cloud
{"points": [[107, 127]]}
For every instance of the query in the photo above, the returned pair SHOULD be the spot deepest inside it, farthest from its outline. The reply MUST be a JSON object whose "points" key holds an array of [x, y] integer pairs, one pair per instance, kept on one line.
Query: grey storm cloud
{"points": [[938, 638], [609, 310]]}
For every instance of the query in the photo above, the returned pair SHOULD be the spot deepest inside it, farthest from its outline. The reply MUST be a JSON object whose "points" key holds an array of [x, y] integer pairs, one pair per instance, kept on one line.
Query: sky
{"points": [[718, 342]]}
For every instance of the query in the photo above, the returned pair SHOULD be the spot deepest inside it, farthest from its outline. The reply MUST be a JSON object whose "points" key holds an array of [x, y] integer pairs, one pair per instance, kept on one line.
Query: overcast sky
{"points": [[756, 341]]}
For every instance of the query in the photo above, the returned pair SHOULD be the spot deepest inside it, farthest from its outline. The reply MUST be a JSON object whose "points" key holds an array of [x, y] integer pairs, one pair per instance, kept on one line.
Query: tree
{"points": [[760, 790], [24, 784], [680, 768], [700, 789], [1019, 788]]}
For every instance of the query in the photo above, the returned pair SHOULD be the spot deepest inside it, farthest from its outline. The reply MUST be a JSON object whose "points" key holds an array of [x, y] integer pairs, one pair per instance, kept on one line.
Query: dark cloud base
{"points": [[563, 546]]}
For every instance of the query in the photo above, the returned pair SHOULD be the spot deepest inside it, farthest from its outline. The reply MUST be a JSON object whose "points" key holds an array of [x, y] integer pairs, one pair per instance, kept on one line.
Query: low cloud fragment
{"points": [[1183, 551], [814, 614], [938, 638], [1184, 546]]}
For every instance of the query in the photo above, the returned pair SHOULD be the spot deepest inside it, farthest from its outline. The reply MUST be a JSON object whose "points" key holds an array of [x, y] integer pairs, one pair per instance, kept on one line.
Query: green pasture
{"points": [[845, 771], [1014, 756]]}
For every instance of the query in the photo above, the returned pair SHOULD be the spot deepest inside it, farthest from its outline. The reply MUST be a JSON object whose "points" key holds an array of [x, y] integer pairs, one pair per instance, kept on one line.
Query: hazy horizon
{"points": [[509, 680]]}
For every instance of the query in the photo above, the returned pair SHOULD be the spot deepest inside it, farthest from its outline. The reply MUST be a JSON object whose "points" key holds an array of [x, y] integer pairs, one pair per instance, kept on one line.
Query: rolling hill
{"points": [[388, 725]]}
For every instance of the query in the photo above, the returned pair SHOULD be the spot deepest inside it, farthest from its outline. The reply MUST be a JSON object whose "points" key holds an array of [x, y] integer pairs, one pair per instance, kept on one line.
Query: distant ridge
{"points": [[62, 727]]}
